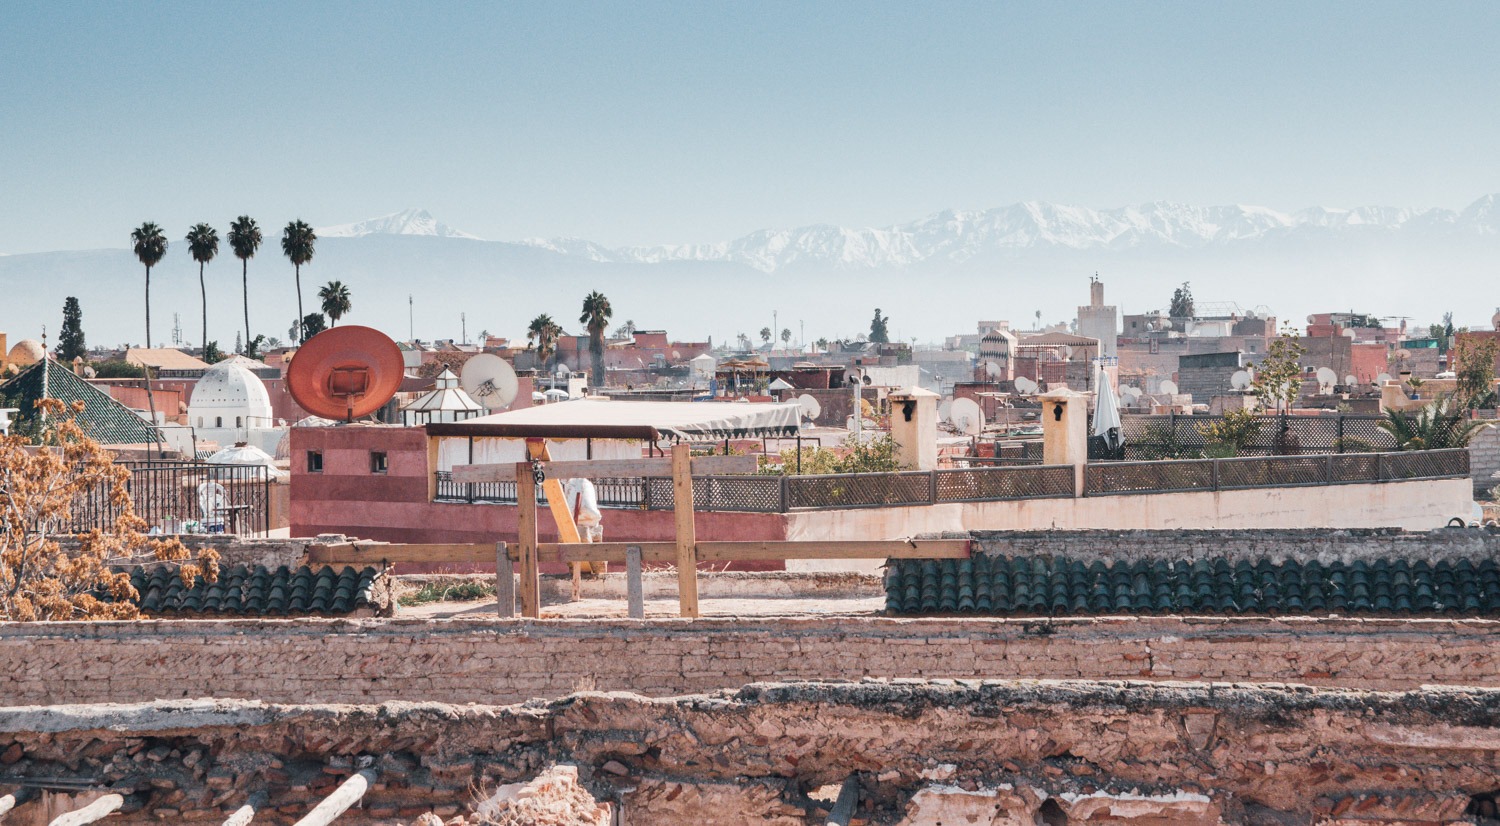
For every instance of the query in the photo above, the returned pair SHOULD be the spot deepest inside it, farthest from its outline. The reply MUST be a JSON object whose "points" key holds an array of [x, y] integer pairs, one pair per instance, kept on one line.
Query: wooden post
{"points": [[557, 502], [843, 806], [10, 801], [347, 794], [246, 813], [635, 593], [526, 519], [98, 810], [687, 537], [505, 581]]}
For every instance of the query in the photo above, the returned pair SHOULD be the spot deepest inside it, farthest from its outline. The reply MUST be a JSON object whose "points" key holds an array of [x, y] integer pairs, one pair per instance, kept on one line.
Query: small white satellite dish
{"points": [[1240, 380], [811, 409], [967, 417], [992, 369], [562, 369], [1350, 381], [1067, 351], [1169, 387], [490, 380], [1025, 386], [1382, 378], [945, 410]]}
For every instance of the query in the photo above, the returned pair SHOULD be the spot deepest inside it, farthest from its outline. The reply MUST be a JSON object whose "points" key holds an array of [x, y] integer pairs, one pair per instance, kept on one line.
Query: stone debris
{"points": [[554, 798]]}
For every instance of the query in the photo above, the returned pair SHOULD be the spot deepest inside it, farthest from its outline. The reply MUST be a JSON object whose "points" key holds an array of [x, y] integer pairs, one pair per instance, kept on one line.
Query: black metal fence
{"points": [[1181, 437], [173, 497], [1113, 478]]}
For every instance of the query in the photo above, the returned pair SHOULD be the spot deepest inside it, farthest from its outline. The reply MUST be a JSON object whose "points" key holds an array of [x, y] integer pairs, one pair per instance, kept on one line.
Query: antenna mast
{"points": [[410, 326]]}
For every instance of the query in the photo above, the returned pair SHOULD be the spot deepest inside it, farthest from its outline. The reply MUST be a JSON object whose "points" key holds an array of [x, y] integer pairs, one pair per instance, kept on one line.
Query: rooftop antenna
{"points": [[490, 380], [463, 328], [176, 329], [345, 373], [410, 326]]}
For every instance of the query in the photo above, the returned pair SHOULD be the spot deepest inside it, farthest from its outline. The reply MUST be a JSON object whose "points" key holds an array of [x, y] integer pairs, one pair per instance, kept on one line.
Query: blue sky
{"points": [[651, 123]]}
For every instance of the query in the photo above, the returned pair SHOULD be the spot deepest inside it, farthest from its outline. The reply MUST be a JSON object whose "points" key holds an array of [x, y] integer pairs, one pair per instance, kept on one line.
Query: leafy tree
{"points": [[744, 341], [1278, 377], [1234, 432], [252, 350], [879, 329], [1474, 367], [70, 344], [335, 297], [271, 343], [244, 238], [118, 369], [625, 330], [297, 242], [203, 245], [38, 579], [211, 353], [150, 246], [822, 344], [786, 336], [877, 455], [312, 324], [596, 315], [765, 335], [1433, 428], [1182, 302], [543, 333]]}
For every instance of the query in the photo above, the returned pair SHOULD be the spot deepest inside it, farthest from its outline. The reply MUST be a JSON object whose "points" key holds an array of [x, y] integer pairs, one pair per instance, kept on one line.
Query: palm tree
{"points": [[596, 314], [203, 245], [297, 243], [1433, 428], [150, 246], [244, 238], [544, 331], [335, 297]]}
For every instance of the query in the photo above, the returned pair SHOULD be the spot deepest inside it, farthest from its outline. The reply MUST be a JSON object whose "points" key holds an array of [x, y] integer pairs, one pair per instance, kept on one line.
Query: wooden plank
{"points": [[844, 805], [609, 469], [373, 553], [687, 537], [246, 813], [635, 593], [11, 801], [505, 582], [98, 810], [658, 552], [347, 794], [526, 524]]}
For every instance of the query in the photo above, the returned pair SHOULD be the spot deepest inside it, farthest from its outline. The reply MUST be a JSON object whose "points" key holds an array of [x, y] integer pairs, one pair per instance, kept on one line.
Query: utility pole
{"points": [[801, 335], [775, 331], [463, 326], [410, 326]]}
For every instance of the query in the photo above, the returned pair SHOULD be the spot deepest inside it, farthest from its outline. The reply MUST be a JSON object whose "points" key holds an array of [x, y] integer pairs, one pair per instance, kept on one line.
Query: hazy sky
{"points": [[650, 123]]}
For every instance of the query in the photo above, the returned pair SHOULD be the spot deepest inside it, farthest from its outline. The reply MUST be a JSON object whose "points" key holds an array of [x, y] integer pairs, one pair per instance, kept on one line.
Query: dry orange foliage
{"points": [[39, 485]]}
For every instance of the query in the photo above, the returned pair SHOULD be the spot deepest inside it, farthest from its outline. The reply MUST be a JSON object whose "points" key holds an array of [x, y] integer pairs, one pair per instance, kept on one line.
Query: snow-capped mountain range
{"points": [[406, 222], [957, 236]]}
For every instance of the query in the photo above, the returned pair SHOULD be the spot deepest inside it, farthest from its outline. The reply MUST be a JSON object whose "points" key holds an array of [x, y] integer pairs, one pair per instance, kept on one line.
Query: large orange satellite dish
{"points": [[346, 372]]}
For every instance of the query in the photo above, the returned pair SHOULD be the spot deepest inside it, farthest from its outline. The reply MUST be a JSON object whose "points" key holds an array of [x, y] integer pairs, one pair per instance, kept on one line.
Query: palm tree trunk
{"points": [[148, 308], [203, 291], [596, 349], [245, 282], [301, 328]]}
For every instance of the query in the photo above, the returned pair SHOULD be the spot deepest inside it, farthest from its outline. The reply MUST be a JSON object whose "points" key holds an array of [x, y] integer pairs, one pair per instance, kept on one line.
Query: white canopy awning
{"points": [[651, 421]]}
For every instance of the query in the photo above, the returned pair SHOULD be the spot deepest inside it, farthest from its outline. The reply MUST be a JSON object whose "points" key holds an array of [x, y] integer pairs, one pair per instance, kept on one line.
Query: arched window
{"points": [[237, 422], [200, 421], [218, 421]]}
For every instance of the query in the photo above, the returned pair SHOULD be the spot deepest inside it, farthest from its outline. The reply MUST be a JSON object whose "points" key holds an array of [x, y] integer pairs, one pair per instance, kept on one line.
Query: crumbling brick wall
{"points": [[489, 661], [1030, 752]]}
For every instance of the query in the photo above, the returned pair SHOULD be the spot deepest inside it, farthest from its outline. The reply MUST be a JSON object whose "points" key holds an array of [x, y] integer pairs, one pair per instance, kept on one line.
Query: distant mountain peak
{"points": [[406, 222]]}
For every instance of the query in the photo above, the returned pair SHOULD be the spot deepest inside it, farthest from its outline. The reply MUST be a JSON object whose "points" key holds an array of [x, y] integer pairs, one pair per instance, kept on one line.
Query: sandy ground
{"points": [[708, 607]]}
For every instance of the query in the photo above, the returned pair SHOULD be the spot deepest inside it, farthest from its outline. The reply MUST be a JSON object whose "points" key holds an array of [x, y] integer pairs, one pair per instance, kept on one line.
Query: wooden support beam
{"points": [[505, 581], [609, 469], [347, 794], [635, 592], [374, 553], [687, 536], [98, 810], [844, 805], [14, 799], [526, 524], [244, 814]]}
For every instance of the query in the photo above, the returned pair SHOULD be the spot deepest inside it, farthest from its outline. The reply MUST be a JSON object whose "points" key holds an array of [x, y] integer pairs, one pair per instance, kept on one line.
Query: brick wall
{"points": [[1319, 544], [478, 660]]}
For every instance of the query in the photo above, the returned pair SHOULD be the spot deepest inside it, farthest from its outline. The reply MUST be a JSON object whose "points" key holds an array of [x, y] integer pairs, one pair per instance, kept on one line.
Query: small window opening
{"points": [[378, 462], [315, 461], [218, 421]]}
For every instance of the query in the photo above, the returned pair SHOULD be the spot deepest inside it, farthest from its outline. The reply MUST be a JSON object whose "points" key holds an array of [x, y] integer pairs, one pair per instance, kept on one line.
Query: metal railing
{"points": [[173, 496], [1241, 473]]}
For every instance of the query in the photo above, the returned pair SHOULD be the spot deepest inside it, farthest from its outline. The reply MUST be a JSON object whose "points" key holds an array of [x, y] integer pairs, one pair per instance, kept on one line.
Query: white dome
{"points": [[28, 351], [228, 392]]}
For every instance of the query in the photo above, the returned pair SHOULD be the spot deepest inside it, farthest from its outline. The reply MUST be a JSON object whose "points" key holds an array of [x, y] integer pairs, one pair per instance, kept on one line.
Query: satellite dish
{"points": [[1326, 378], [490, 380], [345, 373], [1067, 351], [945, 411], [1350, 381], [992, 369], [1382, 378], [1025, 386], [811, 409], [1169, 387], [562, 369], [1240, 380], [967, 417]]}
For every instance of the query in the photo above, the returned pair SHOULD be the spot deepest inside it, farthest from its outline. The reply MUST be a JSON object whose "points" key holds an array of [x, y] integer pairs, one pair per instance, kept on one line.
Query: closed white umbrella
{"points": [[1107, 412]]}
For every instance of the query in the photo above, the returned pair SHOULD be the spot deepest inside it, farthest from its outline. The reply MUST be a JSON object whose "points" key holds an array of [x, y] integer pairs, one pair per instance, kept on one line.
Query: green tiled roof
{"points": [[104, 418], [1049, 586], [258, 591]]}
